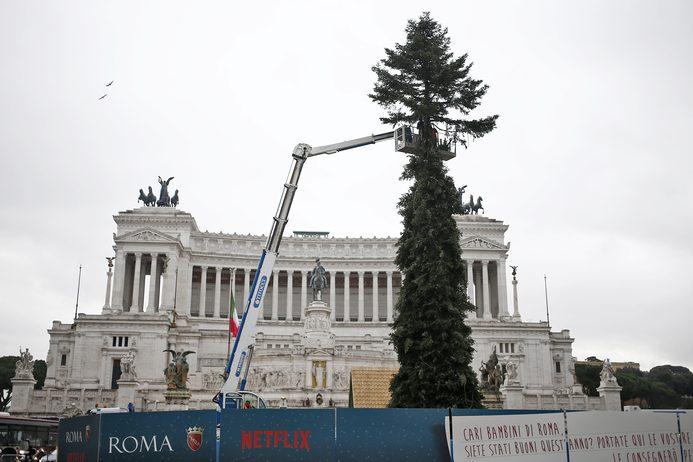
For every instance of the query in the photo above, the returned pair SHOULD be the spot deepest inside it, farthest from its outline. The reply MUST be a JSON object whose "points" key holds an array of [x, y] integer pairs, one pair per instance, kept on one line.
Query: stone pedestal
{"points": [[610, 393], [492, 401], [318, 326], [127, 386], [22, 389], [512, 395], [177, 400], [318, 346]]}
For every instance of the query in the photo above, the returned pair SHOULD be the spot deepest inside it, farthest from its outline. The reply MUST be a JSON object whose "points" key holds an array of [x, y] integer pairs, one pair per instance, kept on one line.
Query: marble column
{"points": [[118, 281], [470, 285], [246, 288], [376, 308], [180, 288], [275, 295], [361, 317], [333, 297], [217, 292], [290, 295], [135, 307], [502, 289], [304, 291], [153, 283], [188, 309], [516, 307], [143, 274], [389, 297], [485, 289], [203, 293], [157, 288], [478, 294], [109, 276], [347, 302], [168, 282]]}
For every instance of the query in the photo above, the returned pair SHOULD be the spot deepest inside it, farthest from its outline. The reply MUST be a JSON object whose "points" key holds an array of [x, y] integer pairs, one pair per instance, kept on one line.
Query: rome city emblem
{"points": [[195, 438]]}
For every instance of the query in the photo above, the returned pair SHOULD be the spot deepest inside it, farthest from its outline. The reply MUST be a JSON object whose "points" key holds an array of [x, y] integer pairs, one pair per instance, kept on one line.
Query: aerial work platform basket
{"points": [[408, 140]]}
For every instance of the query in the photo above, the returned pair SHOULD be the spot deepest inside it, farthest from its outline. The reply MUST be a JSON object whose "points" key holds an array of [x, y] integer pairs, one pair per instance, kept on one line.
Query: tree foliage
{"points": [[588, 376], [7, 366], [420, 82], [663, 387], [40, 369]]}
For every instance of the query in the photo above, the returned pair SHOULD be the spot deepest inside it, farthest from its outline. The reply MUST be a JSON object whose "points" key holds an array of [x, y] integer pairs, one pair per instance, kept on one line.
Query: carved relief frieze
{"points": [[480, 243]]}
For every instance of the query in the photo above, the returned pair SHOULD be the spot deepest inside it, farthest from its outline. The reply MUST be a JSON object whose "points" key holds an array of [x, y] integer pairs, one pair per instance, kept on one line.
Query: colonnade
{"points": [[284, 281], [131, 270], [486, 288]]}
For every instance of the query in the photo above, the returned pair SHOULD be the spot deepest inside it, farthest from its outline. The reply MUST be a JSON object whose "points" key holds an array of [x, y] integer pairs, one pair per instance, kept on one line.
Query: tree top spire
{"points": [[421, 80]]}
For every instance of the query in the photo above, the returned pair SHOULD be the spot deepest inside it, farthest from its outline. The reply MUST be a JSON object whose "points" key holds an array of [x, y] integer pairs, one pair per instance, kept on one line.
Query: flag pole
{"points": [[546, 297], [232, 307], [79, 282]]}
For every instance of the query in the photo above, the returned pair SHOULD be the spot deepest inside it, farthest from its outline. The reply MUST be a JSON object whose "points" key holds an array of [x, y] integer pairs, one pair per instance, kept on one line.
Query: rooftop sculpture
{"points": [[164, 200], [469, 207]]}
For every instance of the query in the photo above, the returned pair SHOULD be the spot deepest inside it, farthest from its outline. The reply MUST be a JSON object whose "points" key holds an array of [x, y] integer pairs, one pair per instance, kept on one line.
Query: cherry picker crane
{"points": [[238, 364], [232, 394]]}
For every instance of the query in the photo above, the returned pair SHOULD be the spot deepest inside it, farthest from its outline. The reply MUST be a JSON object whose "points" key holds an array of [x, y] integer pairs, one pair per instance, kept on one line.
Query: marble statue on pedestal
{"points": [[607, 374], [127, 366], [24, 368], [511, 374]]}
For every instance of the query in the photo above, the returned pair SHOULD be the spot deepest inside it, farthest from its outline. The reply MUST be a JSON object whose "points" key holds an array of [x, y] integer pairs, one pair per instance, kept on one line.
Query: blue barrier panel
{"points": [[78, 439], [391, 435], [278, 435], [183, 436], [397, 434]]}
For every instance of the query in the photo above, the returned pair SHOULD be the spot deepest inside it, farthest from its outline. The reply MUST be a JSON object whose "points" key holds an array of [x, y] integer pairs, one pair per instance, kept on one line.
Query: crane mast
{"points": [[239, 359]]}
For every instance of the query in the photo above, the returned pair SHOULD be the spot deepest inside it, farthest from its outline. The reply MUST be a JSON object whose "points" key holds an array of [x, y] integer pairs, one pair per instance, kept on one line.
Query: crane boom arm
{"points": [[235, 379], [351, 144]]}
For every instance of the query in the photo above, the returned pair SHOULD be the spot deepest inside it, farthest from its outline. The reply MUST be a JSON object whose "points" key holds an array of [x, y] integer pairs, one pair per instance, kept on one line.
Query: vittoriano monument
{"points": [[164, 200], [318, 280]]}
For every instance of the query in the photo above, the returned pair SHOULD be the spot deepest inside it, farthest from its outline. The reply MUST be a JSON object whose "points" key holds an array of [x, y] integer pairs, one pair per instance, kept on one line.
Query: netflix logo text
{"points": [[260, 439]]}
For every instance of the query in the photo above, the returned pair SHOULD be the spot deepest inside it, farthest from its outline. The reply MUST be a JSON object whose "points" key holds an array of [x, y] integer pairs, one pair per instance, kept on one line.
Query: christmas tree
{"points": [[421, 83]]}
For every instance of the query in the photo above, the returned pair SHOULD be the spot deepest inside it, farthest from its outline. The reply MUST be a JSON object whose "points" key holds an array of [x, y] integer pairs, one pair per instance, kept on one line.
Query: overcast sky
{"points": [[590, 164]]}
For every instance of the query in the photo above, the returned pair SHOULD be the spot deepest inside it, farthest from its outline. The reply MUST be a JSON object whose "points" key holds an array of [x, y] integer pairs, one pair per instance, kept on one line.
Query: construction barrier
{"points": [[608, 436], [350, 435]]}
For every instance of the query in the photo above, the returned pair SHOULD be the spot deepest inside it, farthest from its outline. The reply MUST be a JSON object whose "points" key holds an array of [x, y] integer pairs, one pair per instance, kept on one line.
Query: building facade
{"points": [[172, 286]]}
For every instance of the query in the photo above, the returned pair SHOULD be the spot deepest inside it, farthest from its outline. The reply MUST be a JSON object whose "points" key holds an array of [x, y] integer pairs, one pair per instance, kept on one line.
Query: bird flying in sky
{"points": [[109, 83], [104, 96]]}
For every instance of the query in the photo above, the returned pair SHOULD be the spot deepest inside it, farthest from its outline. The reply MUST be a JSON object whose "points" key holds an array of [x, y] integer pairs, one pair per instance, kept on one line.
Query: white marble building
{"points": [[171, 287]]}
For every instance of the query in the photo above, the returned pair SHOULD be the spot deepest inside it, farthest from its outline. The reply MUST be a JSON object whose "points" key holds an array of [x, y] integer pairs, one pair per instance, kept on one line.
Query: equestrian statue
{"points": [[318, 280]]}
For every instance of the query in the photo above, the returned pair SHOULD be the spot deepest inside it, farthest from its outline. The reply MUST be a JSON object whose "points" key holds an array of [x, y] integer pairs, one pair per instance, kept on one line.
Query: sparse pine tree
{"points": [[420, 83]]}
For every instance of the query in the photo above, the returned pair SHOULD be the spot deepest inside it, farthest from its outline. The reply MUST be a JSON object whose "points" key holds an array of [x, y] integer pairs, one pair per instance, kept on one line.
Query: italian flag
{"points": [[233, 318]]}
